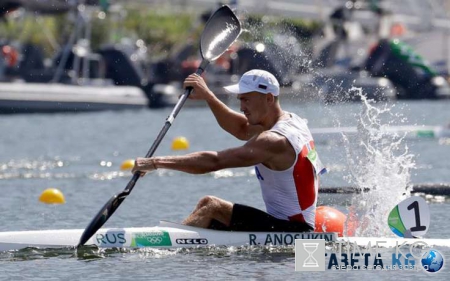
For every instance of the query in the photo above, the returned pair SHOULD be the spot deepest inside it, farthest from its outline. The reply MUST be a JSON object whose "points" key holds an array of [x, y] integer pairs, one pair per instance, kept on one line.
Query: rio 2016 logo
{"points": [[151, 239]]}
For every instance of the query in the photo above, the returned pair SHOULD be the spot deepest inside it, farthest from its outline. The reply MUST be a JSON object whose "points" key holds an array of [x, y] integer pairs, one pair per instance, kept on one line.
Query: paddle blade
{"points": [[102, 216], [221, 30]]}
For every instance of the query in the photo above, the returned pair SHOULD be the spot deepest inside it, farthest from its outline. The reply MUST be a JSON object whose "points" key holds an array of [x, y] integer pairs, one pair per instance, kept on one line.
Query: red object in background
{"points": [[10, 55], [224, 60], [330, 220], [397, 30], [191, 64]]}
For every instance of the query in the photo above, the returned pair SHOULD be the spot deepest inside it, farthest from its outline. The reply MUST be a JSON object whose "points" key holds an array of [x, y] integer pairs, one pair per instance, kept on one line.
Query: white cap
{"points": [[256, 80]]}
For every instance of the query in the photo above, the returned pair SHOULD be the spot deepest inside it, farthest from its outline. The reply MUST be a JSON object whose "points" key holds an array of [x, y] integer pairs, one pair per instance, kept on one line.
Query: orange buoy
{"points": [[330, 220]]}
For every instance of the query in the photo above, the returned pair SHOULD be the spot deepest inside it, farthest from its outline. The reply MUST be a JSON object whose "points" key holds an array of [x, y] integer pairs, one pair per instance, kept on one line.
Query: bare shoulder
{"points": [[272, 149], [270, 141]]}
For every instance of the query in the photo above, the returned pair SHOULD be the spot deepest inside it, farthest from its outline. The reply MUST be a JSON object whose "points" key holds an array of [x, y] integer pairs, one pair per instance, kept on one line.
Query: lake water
{"points": [[81, 154]]}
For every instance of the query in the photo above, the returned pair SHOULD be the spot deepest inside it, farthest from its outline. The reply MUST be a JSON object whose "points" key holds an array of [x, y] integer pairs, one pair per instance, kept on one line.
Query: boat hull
{"points": [[43, 98], [172, 235], [167, 235]]}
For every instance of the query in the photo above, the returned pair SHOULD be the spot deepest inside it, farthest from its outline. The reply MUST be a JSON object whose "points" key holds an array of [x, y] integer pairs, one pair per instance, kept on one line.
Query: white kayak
{"points": [[173, 235], [166, 235]]}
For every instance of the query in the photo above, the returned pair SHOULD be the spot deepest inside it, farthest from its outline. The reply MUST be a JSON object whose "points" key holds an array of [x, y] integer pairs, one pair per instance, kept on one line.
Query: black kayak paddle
{"points": [[221, 30]]}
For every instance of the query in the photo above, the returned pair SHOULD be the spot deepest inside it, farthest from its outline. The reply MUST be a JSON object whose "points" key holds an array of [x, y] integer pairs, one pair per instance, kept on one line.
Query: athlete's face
{"points": [[254, 105]]}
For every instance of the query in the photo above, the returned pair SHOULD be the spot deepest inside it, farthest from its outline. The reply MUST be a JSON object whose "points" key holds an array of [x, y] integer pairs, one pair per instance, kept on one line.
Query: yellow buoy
{"points": [[52, 196], [180, 143], [127, 165]]}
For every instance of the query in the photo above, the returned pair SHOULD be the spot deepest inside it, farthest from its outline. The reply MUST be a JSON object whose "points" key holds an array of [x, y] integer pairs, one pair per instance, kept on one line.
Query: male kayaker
{"points": [[279, 145]]}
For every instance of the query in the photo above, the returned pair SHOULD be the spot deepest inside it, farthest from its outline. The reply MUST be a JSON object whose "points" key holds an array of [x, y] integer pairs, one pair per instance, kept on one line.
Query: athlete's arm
{"points": [[231, 121], [260, 149]]}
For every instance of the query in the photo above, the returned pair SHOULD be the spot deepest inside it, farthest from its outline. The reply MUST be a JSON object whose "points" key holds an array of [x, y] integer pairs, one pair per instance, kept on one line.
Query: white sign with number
{"points": [[410, 218]]}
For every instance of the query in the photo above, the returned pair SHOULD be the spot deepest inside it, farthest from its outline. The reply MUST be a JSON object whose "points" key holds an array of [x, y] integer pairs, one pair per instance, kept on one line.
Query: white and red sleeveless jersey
{"points": [[292, 194]]}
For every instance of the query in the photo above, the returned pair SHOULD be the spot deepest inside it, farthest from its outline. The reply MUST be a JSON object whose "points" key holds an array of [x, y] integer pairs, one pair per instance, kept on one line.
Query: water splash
{"points": [[274, 46], [380, 163]]}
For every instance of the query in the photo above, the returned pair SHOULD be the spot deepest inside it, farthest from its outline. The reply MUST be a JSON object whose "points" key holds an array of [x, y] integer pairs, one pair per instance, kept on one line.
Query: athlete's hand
{"points": [[143, 165], [201, 91]]}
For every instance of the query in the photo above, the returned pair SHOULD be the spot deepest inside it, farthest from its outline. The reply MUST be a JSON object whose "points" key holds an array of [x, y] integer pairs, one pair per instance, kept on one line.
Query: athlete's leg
{"points": [[246, 218], [210, 208]]}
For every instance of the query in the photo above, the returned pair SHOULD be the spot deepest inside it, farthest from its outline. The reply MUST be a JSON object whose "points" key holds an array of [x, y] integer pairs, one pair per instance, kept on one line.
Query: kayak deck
{"points": [[173, 235]]}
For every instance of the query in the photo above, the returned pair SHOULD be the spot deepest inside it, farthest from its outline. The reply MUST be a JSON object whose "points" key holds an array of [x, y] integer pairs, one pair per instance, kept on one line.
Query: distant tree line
{"points": [[159, 29]]}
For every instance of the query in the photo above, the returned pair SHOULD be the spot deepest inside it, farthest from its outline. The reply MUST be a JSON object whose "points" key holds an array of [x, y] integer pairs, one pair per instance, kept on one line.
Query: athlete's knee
{"points": [[207, 201]]}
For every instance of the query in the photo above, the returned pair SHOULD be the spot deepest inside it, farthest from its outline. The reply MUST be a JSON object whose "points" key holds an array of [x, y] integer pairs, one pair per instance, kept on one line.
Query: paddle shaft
{"points": [[221, 30], [114, 203], [166, 127]]}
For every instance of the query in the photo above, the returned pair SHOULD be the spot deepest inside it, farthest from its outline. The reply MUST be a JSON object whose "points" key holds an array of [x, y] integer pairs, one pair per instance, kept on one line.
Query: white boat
{"points": [[173, 235], [166, 235], [77, 78], [54, 97]]}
